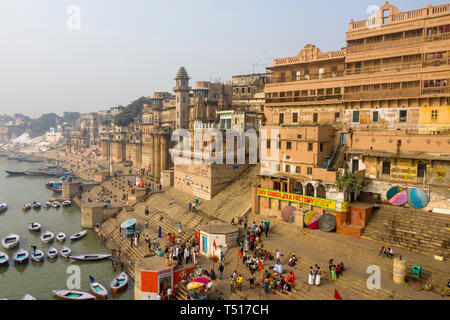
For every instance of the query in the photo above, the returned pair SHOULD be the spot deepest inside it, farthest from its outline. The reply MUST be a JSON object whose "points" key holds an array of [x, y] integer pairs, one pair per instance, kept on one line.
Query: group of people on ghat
{"points": [[335, 270], [278, 282], [386, 252], [179, 252]]}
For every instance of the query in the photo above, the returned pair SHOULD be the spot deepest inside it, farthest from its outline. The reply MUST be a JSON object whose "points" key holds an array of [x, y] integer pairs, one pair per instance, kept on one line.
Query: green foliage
{"points": [[41, 125], [133, 110], [348, 182], [70, 117]]}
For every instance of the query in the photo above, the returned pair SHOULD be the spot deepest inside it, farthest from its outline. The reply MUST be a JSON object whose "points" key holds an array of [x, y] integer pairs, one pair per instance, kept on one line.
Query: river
{"points": [[39, 279]]}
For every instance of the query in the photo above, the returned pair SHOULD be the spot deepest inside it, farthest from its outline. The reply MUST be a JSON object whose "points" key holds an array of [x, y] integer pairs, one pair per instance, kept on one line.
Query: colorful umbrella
{"points": [[194, 285], [399, 199], [309, 216], [203, 280], [393, 191], [417, 198]]}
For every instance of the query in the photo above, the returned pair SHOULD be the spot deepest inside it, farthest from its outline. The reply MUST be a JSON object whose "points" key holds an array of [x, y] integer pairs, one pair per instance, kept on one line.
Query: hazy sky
{"points": [[126, 49]]}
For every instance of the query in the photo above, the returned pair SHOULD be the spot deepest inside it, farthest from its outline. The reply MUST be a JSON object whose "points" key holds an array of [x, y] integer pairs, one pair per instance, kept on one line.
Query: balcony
{"points": [[401, 43], [400, 93], [307, 77], [384, 68], [304, 99]]}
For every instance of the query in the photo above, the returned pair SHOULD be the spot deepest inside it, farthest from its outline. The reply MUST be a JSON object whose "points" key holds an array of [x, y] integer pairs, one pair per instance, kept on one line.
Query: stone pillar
{"points": [[153, 155], [163, 153], [158, 156], [255, 200], [69, 190]]}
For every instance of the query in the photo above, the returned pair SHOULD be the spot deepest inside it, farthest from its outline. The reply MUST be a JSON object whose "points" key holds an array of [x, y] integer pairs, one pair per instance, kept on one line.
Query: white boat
{"points": [[3, 207], [67, 203], [52, 253], [78, 235], [34, 226], [46, 205], [21, 255], [47, 237], [61, 237], [4, 258], [65, 252], [38, 256], [73, 295], [97, 289], [56, 204], [36, 205], [10, 241], [27, 296], [26, 207], [119, 283]]}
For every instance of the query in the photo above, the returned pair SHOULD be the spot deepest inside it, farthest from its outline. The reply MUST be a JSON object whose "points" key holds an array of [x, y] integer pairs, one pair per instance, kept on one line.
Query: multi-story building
{"points": [[369, 104]]}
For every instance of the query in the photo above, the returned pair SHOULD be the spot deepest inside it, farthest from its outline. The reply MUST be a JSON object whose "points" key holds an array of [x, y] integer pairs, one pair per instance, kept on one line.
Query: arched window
{"points": [[309, 190], [298, 188], [321, 192]]}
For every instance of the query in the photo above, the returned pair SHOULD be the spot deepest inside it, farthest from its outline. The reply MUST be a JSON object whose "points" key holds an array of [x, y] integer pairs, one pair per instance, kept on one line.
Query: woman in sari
{"points": [[318, 276], [311, 276], [333, 273]]}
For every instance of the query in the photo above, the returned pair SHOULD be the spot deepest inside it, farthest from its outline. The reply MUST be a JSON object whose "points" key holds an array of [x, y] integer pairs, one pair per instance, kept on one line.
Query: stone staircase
{"points": [[235, 200], [415, 230]]}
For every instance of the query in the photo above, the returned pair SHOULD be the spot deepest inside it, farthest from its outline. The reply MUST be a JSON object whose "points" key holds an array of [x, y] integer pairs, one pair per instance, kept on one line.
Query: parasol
{"points": [[203, 280], [194, 285], [399, 199], [417, 198]]}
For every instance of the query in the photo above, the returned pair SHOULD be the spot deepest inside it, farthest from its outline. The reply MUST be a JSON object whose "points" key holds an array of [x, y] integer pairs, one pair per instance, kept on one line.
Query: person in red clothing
{"points": [[290, 278]]}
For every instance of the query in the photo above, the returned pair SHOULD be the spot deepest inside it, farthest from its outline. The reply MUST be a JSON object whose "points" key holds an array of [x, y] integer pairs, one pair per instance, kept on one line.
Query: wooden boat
{"points": [[36, 205], [10, 241], [47, 237], [50, 184], [4, 258], [15, 173], [26, 207], [91, 257], [67, 203], [27, 296], [119, 283], [73, 295], [3, 207], [38, 256], [65, 252], [15, 158], [78, 235], [52, 253], [97, 289], [56, 204], [61, 237], [21, 256], [34, 226], [46, 205], [57, 199], [30, 160]]}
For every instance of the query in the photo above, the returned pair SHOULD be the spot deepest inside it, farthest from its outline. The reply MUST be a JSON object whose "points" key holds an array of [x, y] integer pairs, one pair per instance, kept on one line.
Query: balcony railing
{"points": [[401, 43], [304, 99], [400, 93], [384, 68], [305, 77]]}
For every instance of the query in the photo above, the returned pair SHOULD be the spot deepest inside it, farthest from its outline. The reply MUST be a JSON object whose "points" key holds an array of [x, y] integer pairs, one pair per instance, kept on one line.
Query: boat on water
{"points": [[47, 237], [56, 204], [27, 296], [73, 295], [65, 252], [61, 237], [10, 241], [15, 157], [3, 207], [78, 235], [46, 205], [27, 207], [97, 289], [52, 253], [21, 256], [119, 283], [34, 226], [37, 256], [50, 184], [57, 199], [15, 173], [30, 160], [36, 205], [67, 203], [91, 257], [4, 258]]}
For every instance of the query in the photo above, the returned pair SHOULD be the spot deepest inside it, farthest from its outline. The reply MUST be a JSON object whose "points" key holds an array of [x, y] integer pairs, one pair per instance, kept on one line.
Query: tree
{"points": [[348, 182], [133, 110]]}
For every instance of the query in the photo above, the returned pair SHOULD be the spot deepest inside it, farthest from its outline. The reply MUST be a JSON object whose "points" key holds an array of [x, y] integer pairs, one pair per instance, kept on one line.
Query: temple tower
{"points": [[182, 90]]}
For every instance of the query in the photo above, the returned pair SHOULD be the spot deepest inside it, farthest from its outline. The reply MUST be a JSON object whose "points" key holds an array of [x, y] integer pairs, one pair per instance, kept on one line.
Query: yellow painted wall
{"points": [[429, 125]]}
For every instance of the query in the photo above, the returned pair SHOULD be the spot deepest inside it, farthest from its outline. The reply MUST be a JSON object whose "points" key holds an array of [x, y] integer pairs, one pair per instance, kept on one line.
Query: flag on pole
{"points": [[214, 244], [260, 266], [239, 252], [337, 296]]}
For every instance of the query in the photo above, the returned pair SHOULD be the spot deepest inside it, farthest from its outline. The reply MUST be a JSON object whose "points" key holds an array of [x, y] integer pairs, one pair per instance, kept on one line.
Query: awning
{"points": [[129, 223]]}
